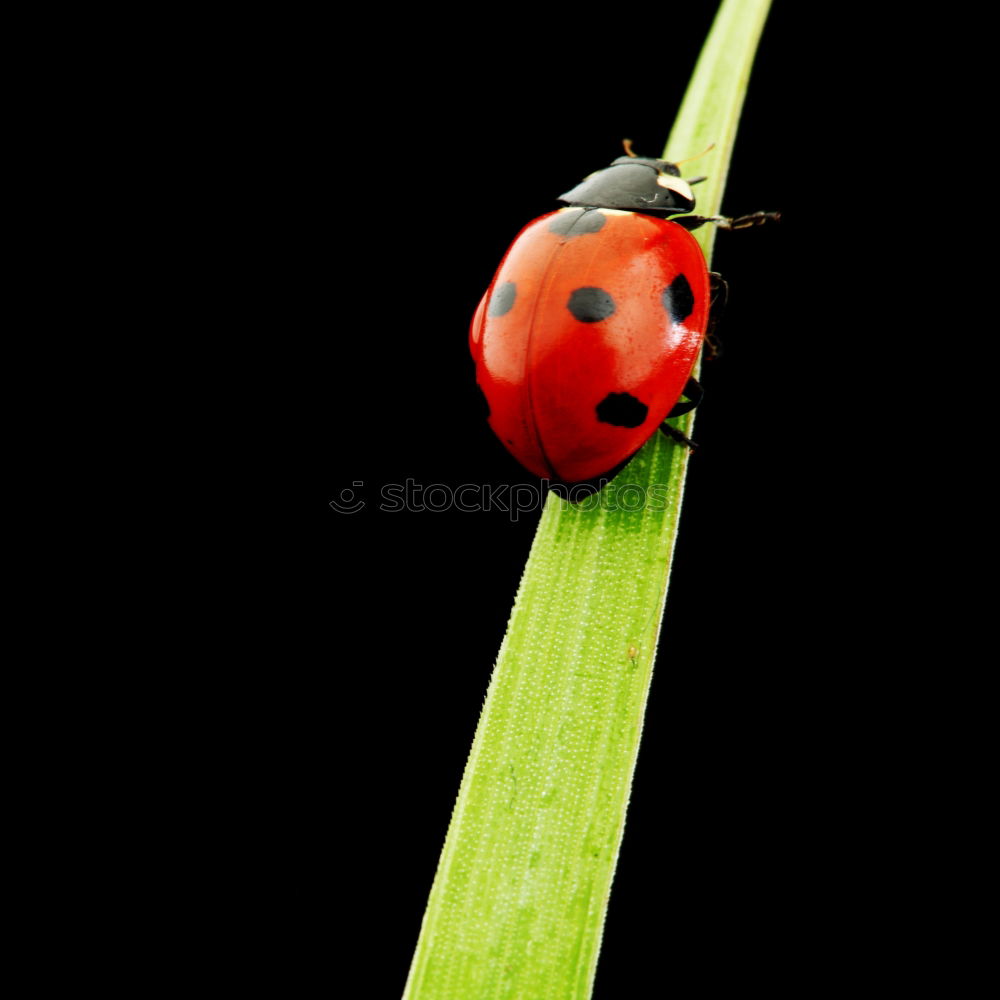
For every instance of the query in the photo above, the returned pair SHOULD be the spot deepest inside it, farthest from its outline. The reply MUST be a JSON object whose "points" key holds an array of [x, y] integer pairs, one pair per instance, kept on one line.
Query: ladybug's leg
{"points": [[677, 436], [691, 222], [718, 296], [694, 393], [746, 221]]}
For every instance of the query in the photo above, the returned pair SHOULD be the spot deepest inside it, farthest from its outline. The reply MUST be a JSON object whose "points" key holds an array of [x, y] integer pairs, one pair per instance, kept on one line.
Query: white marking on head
{"points": [[676, 184]]}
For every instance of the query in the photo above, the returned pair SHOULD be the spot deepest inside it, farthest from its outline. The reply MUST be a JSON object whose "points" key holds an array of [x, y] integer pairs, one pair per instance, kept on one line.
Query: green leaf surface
{"points": [[518, 904]]}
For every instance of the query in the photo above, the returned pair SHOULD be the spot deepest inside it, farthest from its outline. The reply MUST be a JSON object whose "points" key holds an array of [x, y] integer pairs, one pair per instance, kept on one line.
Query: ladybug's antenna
{"points": [[627, 143], [698, 157]]}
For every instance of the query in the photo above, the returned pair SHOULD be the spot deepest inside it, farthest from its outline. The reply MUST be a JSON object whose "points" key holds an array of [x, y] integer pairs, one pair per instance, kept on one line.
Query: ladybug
{"points": [[586, 338]]}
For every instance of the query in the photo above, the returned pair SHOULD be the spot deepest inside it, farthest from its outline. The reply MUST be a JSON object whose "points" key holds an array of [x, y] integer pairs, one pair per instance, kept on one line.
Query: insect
{"points": [[586, 338]]}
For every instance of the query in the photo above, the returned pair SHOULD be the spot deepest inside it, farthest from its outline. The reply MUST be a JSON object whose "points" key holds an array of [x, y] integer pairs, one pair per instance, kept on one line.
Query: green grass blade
{"points": [[518, 903], [711, 109]]}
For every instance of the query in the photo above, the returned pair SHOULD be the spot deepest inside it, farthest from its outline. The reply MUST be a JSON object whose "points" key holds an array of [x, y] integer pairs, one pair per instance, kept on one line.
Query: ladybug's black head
{"points": [[634, 184]]}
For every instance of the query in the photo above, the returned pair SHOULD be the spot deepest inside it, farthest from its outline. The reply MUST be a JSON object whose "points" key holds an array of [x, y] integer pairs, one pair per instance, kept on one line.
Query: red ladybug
{"points": [[585, 340]]}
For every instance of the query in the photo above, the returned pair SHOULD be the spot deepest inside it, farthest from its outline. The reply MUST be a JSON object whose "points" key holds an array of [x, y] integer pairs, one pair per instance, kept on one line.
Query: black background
{"points": [[392, 164]]}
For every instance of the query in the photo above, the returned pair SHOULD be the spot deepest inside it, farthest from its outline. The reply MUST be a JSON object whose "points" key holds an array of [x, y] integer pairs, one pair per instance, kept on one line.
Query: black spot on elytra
{"points": [[590, 305], [622, 410], [678, 299], [502, 299], [579, 220]]}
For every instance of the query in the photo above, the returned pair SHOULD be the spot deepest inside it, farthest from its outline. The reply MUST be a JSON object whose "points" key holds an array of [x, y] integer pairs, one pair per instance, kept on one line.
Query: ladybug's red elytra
{"points": [[586, 338]]}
